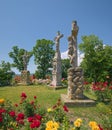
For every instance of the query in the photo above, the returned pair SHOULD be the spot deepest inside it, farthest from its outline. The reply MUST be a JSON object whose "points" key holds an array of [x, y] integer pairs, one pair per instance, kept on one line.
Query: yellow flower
{"points": [[49, 110], [2, 101], [56, 125], [50, 125], [78, 122], [94, 125]]}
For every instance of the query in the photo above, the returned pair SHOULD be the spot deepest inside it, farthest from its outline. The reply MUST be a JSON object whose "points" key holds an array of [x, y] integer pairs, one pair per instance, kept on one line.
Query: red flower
{"points": [[100, 127], [32, 103], [39, 117], [1, 119], [35, 124], [16, 105], [110, 87], [23, 95], [20, 116], [30, 119], [35, 97], [12, 113], [2, 110], [65, 108]]}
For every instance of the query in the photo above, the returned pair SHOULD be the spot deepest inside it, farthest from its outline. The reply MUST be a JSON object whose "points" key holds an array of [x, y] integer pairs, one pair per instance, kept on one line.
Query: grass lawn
{"points": [[47, 97]]}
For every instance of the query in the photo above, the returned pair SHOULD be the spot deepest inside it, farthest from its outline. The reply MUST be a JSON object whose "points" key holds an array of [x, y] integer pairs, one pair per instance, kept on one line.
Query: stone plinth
{"points": [[75, 95], [75, 83], [86, 102], [56, 79], [25, 77]]}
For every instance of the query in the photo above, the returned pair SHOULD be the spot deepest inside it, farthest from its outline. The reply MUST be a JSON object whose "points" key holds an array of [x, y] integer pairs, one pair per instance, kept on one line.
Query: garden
{"points": [[39, 107]]}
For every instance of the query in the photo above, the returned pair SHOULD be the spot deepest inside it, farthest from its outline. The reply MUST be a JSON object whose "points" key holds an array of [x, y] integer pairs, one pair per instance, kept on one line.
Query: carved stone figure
{"points": [[25, 60], [75, 74], [56, 73], [72, 47]]}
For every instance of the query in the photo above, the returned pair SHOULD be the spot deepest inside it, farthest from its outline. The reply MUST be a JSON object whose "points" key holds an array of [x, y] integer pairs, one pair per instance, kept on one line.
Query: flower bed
{"points": [[28, 115]]}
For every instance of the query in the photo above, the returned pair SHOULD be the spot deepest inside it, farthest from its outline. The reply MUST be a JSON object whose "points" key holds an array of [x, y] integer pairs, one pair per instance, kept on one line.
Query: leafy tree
{"points": [[65, 67], [5, 73], [97, 62], [17, 56], [43, 55]]}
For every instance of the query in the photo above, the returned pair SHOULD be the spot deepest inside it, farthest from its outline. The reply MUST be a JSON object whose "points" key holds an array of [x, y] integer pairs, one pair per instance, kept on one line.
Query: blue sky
{"points": [[22, 22]]}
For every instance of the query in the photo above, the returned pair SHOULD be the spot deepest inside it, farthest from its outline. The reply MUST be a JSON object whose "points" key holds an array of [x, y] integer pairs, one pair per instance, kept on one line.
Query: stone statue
{"points": [[57, 40], [25, 60], [72, 47], [56, 73]]}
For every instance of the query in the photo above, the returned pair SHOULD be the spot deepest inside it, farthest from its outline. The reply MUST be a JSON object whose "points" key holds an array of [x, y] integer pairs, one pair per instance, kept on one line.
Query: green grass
{"points": [[47, 97]]}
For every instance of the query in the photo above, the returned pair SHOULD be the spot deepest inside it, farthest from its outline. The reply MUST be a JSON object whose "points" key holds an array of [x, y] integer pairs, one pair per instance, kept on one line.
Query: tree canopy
{"points": [[43, 55], [17, 56], [5, 73], [97, 62]]}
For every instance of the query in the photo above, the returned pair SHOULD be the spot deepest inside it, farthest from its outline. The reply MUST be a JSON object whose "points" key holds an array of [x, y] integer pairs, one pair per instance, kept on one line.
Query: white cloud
{"points": [[64, 55]]}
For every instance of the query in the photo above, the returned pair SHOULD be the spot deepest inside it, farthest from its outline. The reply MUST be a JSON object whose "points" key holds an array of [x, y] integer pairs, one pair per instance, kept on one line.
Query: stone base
{"points": [[77, 102]]}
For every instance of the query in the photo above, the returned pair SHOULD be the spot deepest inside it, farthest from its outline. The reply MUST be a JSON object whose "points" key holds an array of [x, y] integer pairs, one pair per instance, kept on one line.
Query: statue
{"points": [[72, 47], [25, 60], [57, 40], [56, 73]]}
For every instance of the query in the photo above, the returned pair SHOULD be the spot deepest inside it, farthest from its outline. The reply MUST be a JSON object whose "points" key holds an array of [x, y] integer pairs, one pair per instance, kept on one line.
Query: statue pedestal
{"points": [[25, 77], [75, 95], [56, 79], [75, 83], [77, 102]]}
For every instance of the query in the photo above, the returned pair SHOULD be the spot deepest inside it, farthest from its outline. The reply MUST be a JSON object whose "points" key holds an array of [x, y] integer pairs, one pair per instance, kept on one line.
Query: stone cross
{"points": [[56, 73], [57, 41]]}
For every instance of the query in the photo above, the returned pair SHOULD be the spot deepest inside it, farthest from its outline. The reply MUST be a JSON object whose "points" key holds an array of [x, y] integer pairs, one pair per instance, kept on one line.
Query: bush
{"points": [[103, 91]]}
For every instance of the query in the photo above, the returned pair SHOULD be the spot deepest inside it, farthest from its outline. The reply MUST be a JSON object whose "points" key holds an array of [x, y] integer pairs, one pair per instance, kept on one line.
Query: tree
{"points": [[17, 56], [43, 55], [65, 67], [97, 62], [5, 73]]}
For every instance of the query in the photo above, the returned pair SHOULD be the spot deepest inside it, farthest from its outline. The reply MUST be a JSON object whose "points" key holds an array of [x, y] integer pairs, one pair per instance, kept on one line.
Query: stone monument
{"points": [[25, 74], [56, 72], [75, 74]]}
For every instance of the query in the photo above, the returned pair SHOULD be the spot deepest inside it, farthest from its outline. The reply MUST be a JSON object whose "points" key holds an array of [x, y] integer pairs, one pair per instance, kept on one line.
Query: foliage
{"points": [[103, 91], [105, 114], [17, 56], [65, 67], [5, 73], [21, 116], [97, 62], [64, 82], [43, 55]]}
